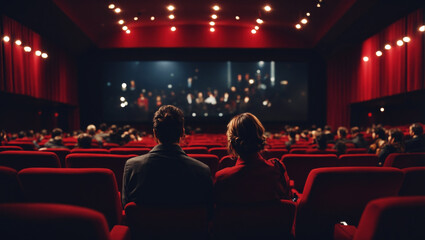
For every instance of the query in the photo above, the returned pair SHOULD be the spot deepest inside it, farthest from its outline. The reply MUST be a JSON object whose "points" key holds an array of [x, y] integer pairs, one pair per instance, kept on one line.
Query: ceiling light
{"points": [[406, 39], [259, 21], [298, 26], [171, 8], [121, 22], [382, 109], [136, 18], [44, 55], [171, 16], [256, 27], [422, 28], [6, 38], [400, 43], [267, 8], [307, 14], [318, 5], [125, 28], [117, 10], [128, 31], [378, 53], [111, 6], [27, 49], [212, 23], [212, 29], [253, 31], [173, 28], [38, 53], [18, 42], [152, 18], [304, 21], [216, 8], [388, 47], [214, 16], [237, 18], [366, 59]]}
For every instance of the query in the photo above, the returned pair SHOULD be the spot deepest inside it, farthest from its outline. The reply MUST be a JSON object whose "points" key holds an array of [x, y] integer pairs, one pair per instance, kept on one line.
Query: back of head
{"points": [[57, 132], [416, 129], [84, 140], [355, 130], [168, 124], [245, 135], [322, 141], [103, 127], [292, 133], [396, 135], [342, 132], [380, 132], [91, 129]]}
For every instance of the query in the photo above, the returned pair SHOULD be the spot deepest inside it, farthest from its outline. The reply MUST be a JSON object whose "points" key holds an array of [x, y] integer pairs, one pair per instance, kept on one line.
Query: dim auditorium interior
{"points": [[339, 86]]}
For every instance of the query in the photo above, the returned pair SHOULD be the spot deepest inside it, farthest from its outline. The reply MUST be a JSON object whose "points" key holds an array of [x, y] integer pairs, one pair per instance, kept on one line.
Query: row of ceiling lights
{"points": [[121, 21], [399, 43], [27, 48], [304, 20]]}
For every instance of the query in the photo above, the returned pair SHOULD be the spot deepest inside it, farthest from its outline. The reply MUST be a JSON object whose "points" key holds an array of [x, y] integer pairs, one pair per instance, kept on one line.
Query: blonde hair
{"points": [[245, 135]]}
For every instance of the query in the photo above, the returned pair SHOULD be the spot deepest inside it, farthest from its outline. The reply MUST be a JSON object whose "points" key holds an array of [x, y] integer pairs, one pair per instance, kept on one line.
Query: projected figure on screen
{"points": [[143, 102]]}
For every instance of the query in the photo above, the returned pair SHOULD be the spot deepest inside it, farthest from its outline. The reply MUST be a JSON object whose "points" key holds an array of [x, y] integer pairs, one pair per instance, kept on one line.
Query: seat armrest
{"points": [[120, 232], [344, 232]]}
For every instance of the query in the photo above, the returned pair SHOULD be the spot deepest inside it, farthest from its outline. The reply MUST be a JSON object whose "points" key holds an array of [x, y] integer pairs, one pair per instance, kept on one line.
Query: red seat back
{"points": [[273, 153], [318, 151], [226, 161], [220, 152], [298, 150], [9, 186], [332, 195], [195, 150], [10, 148], [28, 146], [414, 182], [91, 188], [208, 159], [355, 150], [359, 160], [405, 160], [127, 151], [25, 159], [60, 152], [90, 150]]}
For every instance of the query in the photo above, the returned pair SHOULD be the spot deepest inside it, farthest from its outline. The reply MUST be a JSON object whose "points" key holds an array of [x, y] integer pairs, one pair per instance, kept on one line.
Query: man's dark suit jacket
{"points": [[166, 176], [416, 144]]}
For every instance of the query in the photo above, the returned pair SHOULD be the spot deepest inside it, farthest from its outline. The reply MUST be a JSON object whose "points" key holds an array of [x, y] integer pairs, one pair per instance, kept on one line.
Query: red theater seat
{"points": [[405, 160], [226, 161], [127, 151], [332, 195], [60, 152], [299, 166], [25, 159], [359, 160], [220, 152], [41, 221], [195, 150], [298, 150], [9, 186], [355, 150], [110, 145], [90, 150], [254, 221], [92, 188], [28, 146], [414, 182], [10, 148], [318, 151], [113, 162], [208, 159], [273, 153], [388, 218], [208, 145], [156, 222]]}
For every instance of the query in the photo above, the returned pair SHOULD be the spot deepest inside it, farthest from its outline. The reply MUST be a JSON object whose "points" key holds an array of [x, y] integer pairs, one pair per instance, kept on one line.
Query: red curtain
{"points": [[25, 73], [398, 70]]}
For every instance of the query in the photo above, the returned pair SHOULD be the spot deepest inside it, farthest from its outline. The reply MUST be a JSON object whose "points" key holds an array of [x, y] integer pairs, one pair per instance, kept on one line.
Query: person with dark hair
{"points": [[56, 140], [322, 141], [417, 142], [379, 137], [252, 179], [327, 130], [357, 138], [166, 176], [340, 144], [292, 138], [84, 140], [395, 145]]}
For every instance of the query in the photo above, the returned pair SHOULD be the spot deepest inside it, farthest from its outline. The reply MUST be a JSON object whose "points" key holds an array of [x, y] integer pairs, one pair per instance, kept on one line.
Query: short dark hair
{"points": [[168, 124], [380, 132], [417, 129], [292, 133], [397, 135], [56, 132], [84, 140], [342, 131], [322, 142]]}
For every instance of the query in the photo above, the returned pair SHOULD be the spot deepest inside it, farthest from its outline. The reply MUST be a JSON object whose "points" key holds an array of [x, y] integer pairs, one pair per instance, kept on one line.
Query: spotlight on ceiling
{"points": [[170, 8], [121, 22], [136, 18], [124, 28], [216, 7], [171, 16], [212, 23], [212, 29], [253, 31], [298, 26], [378, 53], [38, 53], [307, 14], [388, 47], [6, 38], [366, 59], [422, 28], [152, 18], [318, 5], [267, 8], [237, 18], [304, 21], [259, 21], [128, 31], [111, 6], [27, 49], [44, 55], [406, 39], [117, 10], [214, 16], [18, 42], [382, 109], [173, 28], [256, 28], [400, 43]]}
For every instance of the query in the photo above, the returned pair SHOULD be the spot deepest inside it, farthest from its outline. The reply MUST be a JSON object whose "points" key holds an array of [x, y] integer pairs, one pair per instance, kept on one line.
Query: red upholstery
{"points": [[405, 160], [414, 182], [318, 151], [90, 150], [254, 221], [208, 145], [220, 152], [226, 161], [298, 150], [9, 187], [208, 159], [60, 152], [167, 222], [110, 161], [365, 160], [10, 148], [92, 188], [127, 151], [23, 221], [110, 145], [28, 146], [332, 195], [195, 150], [26, 159], [273, 153], [355, 150], [299, 166]]}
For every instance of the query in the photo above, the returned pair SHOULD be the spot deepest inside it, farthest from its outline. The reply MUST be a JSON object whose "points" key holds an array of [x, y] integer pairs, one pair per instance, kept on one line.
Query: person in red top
{"points": [[252, 179]]}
